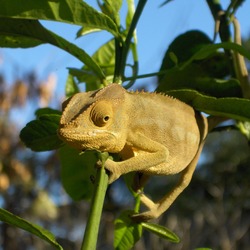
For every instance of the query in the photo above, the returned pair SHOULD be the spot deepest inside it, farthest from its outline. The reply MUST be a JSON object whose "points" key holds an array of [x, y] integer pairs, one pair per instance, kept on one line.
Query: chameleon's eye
{"points": [[101, 113]]}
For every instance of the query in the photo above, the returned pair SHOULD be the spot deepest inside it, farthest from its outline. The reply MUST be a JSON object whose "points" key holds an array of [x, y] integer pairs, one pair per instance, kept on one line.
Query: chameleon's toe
{"points": [[143, 217], [113, 177]]}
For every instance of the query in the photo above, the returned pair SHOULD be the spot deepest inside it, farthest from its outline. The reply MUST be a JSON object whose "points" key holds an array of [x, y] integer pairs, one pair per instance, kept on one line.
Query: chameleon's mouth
{"points": [[85, 140], [73, 134]]}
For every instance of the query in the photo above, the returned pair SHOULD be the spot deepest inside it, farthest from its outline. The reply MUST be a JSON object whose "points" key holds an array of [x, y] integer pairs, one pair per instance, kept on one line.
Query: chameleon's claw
{"points": [[98, 164], [110, 167]]}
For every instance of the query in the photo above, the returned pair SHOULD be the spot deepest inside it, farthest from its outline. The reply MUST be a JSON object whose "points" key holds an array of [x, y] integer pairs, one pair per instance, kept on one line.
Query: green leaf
{"points": [[47, 111], [85, 31], [33, 30], [105, 58], [77, 170], [13, 41], [210, 49], [194, 68], [19, 33], [127, 232], [71, 87], [41, 134], [194, 77], [16, 221], [234, 108], [75, 12], [111, 8], [130, 13], [184, 46], [161, 231], [199, 64]]}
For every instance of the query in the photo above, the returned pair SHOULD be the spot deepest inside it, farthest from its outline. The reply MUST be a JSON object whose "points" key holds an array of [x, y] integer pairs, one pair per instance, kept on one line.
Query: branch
{"points": [[92, 228]]}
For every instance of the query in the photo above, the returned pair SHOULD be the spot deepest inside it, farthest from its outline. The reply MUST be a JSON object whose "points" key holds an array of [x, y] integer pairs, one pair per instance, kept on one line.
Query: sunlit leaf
{"points": [[47, 111], [105, 57], [16, 221], [111, 8], [14, 41], [19, 33], [75, 12], [86, 30], [130, 13], [71, 87], [32, 29], [127, 232], [77, 171], [41, 134]]}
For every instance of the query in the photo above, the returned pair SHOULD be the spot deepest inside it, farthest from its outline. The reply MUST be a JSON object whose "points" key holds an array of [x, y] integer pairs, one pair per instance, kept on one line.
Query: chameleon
{"points": [[153, 133]]}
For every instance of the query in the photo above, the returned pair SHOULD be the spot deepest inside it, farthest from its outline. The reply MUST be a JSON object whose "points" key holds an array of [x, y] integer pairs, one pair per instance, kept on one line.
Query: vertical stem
{"points": [[239, 62], [222, 27], [118, 54], [134, 22], [92, 228], [122, 49]]}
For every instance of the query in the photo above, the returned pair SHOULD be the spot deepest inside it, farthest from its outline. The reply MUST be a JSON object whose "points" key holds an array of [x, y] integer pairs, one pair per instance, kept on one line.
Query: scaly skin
{"points": [[154, 134]]}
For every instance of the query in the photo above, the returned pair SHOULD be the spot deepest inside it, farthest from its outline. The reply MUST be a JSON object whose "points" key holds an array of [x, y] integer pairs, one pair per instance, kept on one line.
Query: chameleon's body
{"points": [[153, 133]]}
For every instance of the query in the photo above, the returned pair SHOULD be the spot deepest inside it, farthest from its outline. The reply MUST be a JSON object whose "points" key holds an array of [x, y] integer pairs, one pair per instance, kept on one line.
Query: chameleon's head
{"points": [[95, 120]]}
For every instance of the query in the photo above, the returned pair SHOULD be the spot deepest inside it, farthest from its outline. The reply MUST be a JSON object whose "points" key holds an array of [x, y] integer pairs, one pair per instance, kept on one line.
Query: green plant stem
{"points": [[133, 25], [123, 48], [222, 26], [215, 7], [146, 75], [118, 54], [92, 228], [137, 204]]}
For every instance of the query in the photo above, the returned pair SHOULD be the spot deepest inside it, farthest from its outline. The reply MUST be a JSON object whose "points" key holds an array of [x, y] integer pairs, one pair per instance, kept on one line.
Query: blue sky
{"points": [[157, 27]]}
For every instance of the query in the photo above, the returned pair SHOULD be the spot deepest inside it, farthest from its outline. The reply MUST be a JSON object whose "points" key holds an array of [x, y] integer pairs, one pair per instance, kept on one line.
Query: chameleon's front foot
{"points": [[112, 168]]}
